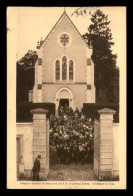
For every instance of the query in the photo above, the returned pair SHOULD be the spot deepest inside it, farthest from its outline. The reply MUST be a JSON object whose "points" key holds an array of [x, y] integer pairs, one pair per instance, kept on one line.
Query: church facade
{"points": [[64, 71]]}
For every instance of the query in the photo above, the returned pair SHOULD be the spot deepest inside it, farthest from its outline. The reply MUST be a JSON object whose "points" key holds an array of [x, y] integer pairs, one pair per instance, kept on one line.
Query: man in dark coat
{"points": [[36, 168]]}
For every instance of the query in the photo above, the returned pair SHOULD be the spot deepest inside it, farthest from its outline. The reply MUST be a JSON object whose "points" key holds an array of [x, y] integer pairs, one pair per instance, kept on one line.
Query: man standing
{"points": [[36, 168]]}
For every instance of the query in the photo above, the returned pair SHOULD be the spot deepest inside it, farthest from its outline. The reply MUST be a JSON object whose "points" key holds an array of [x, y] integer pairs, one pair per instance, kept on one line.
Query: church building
{"points": [[64, 71]]}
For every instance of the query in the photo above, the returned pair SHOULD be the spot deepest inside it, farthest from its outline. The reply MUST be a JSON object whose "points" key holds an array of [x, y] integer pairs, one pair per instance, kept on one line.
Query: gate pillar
{"points": [[106, 144], [40, 140]]}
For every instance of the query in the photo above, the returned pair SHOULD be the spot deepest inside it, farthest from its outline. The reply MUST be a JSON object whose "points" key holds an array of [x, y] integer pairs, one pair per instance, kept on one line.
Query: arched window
{"points": [[57, 70], [64, 68], [70, 70]]}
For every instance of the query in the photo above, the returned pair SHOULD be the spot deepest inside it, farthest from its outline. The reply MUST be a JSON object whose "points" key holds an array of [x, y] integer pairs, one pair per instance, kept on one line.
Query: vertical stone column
{"points": [[40, 141], [56, 107], [106, 144]]}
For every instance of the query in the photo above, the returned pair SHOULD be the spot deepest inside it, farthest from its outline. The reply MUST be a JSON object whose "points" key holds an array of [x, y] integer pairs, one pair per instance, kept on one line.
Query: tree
{"points": [[106, 73], [25, 75], [28, 61]]}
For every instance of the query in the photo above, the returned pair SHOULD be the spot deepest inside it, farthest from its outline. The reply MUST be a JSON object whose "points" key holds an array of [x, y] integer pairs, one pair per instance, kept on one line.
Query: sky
{"points": [[32, 23]]}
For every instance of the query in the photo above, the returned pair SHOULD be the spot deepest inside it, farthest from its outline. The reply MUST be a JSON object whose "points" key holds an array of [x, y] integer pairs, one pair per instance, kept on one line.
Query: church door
{"points": [[64, 102]]}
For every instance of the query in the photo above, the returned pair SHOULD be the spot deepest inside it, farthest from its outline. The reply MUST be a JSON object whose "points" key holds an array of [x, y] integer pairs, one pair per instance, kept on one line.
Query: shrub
{"points": [[91, 110], [23, 113]]}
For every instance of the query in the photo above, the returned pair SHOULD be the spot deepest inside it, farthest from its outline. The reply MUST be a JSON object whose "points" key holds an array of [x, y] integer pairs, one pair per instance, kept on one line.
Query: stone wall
{"points": [[25, 131], [96, 146], [116, 150], [34, 141]]}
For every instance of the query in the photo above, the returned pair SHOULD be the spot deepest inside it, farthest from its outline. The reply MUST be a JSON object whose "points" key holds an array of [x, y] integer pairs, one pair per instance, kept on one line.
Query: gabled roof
{"points": [[64, 13]]}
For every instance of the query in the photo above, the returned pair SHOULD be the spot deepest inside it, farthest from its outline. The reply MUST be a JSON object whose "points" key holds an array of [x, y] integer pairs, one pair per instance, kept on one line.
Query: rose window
{"points": [[64, 39]]}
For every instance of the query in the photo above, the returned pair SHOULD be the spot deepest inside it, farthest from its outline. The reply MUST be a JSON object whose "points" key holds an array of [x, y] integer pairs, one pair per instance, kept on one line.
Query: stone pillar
{"points": [[40, 141], [56, 106], [106, 144]]}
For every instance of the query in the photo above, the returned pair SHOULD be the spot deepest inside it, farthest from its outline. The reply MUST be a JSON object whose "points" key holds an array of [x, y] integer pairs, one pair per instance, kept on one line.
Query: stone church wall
{"points": [[52, 51], [82, 86], [79, 92]]}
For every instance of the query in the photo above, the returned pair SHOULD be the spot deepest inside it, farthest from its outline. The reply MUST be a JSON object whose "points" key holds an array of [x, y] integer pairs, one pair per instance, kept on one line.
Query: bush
{"points": [[23, 113], [91, 110]]}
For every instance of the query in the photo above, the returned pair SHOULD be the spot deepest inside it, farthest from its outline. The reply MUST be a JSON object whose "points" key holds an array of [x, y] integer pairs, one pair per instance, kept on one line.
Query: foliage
{"points": [[24, 110], [28, 61], [25, 75], [81, 11], [99, 36], [91, 110]]}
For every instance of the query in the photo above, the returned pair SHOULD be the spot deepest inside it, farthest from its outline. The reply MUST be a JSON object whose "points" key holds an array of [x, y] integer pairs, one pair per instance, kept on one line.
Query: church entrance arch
{"points": [[64, 102], [64, 96]]}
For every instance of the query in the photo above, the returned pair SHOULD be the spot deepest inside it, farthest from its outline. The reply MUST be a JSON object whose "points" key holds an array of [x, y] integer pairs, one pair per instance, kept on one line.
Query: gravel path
{"points": [[73, 172]]}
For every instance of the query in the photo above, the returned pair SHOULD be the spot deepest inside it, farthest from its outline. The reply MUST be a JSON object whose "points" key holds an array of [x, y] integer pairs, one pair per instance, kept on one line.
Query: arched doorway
{"points": [[64, 102], [64, 96]]}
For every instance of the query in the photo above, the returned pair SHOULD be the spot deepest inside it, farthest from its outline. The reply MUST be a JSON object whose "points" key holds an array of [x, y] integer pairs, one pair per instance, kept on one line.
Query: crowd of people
{"points": [[71, 137]]}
